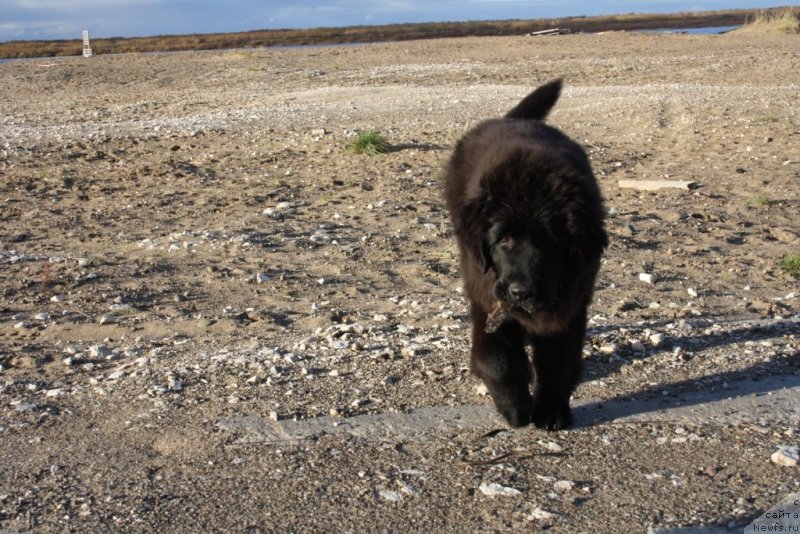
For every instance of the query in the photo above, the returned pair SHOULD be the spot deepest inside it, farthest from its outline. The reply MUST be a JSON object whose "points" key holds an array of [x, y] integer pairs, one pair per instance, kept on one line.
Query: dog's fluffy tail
{"points": [[538, 104]]}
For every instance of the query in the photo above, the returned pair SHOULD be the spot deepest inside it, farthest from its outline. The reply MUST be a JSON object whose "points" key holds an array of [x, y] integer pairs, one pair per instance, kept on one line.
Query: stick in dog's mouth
{"points": [[502, 311]]}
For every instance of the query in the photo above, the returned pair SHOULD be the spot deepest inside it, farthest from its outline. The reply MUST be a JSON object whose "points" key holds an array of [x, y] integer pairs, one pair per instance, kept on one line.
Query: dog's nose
{"points": [[519, 292]]}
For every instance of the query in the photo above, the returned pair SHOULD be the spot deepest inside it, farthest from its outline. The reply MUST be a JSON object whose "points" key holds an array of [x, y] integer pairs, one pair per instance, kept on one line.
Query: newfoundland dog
{"points": [[528, 217]]}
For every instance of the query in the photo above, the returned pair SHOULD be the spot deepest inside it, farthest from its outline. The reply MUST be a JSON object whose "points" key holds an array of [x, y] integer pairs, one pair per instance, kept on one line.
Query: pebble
{"points": [[338, 344], [656, 339], [391, 496], [541, 513], [174, 384], [107, 319], [552, 446], [564, 486], [273, 213], [262, 277], [99, 351], [608, 348], [691, 292], [493, 489], [638, 346], [408, 489], [680, 354], [413, 350], [786, 456], [647, 278], [54, 392]]}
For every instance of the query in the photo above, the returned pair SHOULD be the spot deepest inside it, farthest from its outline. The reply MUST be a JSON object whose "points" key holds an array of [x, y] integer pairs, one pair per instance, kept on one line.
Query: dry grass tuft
{"points": [[784, 20]]}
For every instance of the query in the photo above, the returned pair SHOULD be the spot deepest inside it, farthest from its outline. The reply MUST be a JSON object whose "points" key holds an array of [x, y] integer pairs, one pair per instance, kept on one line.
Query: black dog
{"points": [[528, 216]]}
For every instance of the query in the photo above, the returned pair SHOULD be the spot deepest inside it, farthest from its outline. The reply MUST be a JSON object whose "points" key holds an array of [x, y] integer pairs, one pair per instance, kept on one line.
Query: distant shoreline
{"points": [[372, 34]]}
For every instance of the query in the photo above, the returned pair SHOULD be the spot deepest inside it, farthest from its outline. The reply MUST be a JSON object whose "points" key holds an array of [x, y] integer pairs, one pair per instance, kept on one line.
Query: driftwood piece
{"points": [[653, 185]]}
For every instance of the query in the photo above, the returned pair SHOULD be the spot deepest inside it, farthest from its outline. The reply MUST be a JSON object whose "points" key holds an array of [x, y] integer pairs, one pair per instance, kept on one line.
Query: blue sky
{"points": [[65, 19]]}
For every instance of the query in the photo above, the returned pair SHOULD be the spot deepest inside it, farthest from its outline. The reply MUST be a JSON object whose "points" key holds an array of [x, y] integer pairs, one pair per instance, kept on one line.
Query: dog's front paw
{"points": [[551, 414], [514, 404], [516, 414]]}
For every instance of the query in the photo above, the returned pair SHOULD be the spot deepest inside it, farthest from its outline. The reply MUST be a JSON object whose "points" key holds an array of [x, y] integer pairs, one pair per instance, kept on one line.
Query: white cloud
{"points": [[10, 27], [36, 30]]}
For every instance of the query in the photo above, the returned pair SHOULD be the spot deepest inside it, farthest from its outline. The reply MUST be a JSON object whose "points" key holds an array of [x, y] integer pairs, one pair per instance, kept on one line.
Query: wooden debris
{"points": [[653, 185], [552, 31]]}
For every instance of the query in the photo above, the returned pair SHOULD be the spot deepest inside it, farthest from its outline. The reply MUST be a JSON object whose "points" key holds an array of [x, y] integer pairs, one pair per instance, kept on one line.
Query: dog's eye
{"points": [[507, 242]]}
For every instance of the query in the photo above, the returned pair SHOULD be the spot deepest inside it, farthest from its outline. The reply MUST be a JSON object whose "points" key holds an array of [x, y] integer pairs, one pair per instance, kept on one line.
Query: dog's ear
{"points": [[486, 253], [588, 234], [538, 104], [471, 227]]}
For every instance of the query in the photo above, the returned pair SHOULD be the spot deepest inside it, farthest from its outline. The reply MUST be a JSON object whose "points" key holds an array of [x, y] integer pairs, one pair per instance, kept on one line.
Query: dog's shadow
{"points": [[769, 398], [757, 388], [692, 344]]}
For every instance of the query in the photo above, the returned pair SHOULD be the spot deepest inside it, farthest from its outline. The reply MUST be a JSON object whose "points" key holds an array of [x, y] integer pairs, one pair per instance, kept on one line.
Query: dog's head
{"points": [[536, 242], [527, 270]]}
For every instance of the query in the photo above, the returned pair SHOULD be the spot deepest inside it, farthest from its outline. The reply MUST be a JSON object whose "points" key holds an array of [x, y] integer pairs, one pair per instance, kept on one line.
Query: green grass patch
{"points": [[370, 143], [766, 119], [763, 200], [791, 264]]}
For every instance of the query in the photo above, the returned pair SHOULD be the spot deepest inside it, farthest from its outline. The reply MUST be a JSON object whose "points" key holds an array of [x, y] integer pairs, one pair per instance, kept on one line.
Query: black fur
{"points": [[528, 217]]}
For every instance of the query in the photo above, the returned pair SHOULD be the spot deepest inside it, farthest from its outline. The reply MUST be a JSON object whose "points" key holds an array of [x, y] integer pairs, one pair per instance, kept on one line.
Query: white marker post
{"points": [[87, 50]]}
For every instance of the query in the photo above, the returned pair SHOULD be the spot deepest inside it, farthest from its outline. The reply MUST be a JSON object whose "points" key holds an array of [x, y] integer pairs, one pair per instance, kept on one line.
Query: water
{"points": [[712, 30]]}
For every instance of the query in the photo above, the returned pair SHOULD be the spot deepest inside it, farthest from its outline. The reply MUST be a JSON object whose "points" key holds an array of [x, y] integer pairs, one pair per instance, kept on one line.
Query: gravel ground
{"points": [[185, 238]]}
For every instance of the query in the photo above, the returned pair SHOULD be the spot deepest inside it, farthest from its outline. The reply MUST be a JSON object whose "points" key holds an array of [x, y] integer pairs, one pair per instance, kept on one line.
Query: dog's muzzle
{"points": [[522, 298]]}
